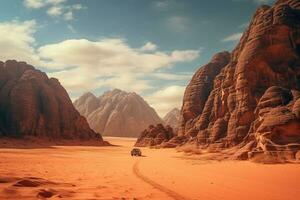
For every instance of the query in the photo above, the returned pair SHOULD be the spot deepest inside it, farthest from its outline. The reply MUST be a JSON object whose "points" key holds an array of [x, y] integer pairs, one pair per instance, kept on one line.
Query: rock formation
{"points": [[31, 104], [250, 98], [172, 118], [155, 136], [117, 113]]}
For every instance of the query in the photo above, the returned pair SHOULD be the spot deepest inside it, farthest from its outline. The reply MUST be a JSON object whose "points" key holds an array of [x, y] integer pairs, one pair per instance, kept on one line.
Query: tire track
{"points": [[157, 186]]}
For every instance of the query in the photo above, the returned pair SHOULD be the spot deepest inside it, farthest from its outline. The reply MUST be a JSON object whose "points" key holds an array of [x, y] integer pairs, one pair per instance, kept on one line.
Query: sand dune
{"points": [[78, 172]]}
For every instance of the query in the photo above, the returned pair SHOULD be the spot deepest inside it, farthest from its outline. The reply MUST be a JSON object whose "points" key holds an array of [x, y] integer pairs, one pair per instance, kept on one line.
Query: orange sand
{"points": [[74, 172]]}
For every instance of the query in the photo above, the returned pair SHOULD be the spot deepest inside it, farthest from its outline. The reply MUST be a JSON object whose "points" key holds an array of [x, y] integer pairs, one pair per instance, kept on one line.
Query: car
{"points": [[136, 152]]}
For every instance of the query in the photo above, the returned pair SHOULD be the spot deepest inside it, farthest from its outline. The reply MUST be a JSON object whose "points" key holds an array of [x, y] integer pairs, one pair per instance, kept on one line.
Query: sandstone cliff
{"points": [[31, 104], [250, 98], [155, 136], [117, 113]]}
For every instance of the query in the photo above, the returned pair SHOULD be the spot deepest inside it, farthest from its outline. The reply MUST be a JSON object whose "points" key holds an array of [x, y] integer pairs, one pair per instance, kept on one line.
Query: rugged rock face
{"points": [[31, 104], [155, 136], [198, 91], [251, 97], [172, 118], [117, 113]]}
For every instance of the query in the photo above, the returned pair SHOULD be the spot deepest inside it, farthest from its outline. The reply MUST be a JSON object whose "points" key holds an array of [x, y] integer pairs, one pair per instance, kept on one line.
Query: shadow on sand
{"points": [[37, 143]]}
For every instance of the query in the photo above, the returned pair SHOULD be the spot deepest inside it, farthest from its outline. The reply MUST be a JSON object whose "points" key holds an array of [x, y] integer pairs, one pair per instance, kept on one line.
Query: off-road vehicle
{"points": [[136, 152]]}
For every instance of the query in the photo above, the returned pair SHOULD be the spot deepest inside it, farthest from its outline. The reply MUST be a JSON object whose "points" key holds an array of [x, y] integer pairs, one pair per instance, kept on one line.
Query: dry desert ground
{"points": [[85, 172]]}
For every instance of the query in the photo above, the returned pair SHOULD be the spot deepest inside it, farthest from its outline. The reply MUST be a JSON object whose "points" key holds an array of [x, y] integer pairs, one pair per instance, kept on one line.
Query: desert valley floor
{"points": [[80, 172]]}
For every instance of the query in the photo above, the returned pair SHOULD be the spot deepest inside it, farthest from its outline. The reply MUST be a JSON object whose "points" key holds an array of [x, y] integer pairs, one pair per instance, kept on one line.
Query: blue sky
{"points": [[151, 47]]}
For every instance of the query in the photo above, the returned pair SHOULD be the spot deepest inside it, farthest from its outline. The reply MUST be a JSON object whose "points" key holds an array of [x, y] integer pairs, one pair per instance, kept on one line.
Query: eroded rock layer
{"points": [[250, 96], [31, 104], [155, 136]]}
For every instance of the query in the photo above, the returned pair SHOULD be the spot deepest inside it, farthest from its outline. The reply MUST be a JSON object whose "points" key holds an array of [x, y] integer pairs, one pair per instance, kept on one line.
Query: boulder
{"points": [[155, 136]]}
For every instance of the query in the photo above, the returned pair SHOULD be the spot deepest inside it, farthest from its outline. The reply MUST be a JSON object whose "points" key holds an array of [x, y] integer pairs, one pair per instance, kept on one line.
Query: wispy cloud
{"points": [[54, 11], [55, 8], [171, 76], [243, 25], [232, 38], [166, 99], [149, 46]]}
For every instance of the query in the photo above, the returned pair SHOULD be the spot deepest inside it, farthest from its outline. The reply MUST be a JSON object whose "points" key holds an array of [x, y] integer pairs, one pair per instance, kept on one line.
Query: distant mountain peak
{"points": [[117, 113], [172, 118]]}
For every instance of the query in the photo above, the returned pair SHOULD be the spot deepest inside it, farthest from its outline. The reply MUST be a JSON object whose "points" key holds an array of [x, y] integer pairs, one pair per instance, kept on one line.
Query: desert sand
{"points": [[85, 172]]}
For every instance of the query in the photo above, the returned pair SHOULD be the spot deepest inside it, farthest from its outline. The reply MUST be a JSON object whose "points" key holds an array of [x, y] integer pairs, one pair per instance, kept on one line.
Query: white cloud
{"points": [[55, 8], [110, 55], [17, 41], [109, 63], [232, 38], [34, 3], [166, 99], [77, 7], [55, 11], [82, 65], [149, 46], [80, 80]]}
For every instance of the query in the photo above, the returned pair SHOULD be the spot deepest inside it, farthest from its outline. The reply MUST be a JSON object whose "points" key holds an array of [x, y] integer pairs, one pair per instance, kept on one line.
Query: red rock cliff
{"points": [[31, 104], [252, 95]]}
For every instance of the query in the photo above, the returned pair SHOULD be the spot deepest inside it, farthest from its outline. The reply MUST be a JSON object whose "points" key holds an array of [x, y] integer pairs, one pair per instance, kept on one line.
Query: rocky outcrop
{"points": [[117, 113], [198, 91], [172, 118], [250, 98], [31, 104], [155, 136]]}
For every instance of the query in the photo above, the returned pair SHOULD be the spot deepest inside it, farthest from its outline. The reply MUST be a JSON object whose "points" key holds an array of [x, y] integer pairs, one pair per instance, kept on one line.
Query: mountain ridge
{"points": [[117, 113]]}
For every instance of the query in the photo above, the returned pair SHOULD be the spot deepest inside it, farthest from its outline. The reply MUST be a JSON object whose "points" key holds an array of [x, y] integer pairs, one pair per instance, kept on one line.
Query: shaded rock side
{"points": [[251, 95], [117, 113], [155, 136], [31, 104]]}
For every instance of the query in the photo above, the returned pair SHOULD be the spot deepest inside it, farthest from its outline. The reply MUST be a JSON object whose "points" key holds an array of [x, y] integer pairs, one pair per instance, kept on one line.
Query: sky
{"points": [[151, 47]]}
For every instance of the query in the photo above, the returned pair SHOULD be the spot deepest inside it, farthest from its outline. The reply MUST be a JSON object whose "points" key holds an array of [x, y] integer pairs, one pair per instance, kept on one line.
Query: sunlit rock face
{"points": [[31, 104], [250, 96], [172, 118], [117, 113]]}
